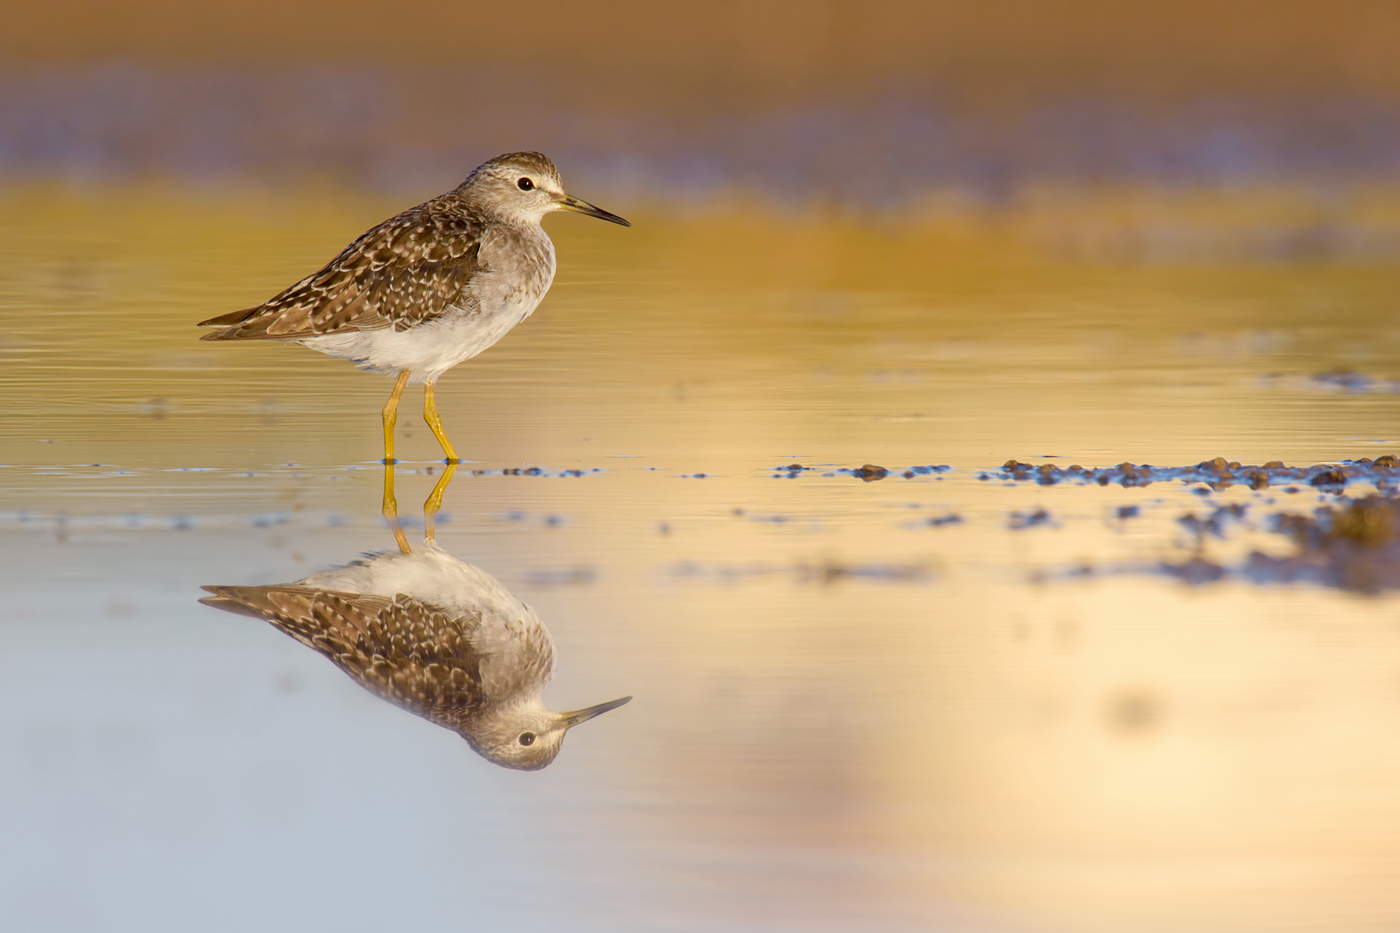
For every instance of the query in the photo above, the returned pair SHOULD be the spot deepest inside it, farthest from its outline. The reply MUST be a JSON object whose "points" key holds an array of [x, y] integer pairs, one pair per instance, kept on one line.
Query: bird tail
{"points": [[244, 600], [309, 615], [229, 325]]}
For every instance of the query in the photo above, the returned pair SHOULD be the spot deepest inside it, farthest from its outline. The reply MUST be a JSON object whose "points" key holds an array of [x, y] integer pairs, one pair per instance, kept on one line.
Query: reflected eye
{"points": [[526, 738], [525, 185]]}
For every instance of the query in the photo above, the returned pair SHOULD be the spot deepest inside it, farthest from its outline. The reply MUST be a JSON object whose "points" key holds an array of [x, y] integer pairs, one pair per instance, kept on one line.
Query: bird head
{"points": [[527, 738], [524, 186]]}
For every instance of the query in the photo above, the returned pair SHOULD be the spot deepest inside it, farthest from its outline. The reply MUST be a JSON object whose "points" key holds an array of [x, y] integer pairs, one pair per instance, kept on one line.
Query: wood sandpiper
{"points": [[429, 288]]}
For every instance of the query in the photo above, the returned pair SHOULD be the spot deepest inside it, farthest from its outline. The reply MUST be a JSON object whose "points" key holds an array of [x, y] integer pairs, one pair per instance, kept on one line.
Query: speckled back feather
{"points": [[412, 268], [403, 650]]}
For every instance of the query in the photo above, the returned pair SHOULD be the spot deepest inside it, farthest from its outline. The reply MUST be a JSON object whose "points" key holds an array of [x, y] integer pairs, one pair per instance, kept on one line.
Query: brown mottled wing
{"points": [[408, 652], [409, 269]]}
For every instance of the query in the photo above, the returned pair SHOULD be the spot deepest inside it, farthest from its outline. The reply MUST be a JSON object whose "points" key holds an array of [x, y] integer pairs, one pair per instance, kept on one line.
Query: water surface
{"points": [[953, 700]]}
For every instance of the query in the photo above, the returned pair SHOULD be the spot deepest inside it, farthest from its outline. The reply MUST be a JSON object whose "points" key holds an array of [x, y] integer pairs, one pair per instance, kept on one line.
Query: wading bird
{"points": [[429, 288]]}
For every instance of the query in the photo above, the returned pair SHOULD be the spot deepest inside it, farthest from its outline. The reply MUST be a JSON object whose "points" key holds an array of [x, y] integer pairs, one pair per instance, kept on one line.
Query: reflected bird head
{"points": [[524, 186], [527, 738]]}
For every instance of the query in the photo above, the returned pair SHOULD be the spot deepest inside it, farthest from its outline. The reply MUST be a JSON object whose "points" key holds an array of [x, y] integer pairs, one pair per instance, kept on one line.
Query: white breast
{"points": [[504, 294]]}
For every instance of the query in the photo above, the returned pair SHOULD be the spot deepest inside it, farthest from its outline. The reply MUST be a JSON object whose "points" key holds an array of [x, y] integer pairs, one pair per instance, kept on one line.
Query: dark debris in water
{"points": [[536, 471], [1216, 523], [1197, 570], [518, 516], [1349, 380], [1216, 474], [926, 470], [832, 572], [1019, 521], [1353, 545], [869, 473]]}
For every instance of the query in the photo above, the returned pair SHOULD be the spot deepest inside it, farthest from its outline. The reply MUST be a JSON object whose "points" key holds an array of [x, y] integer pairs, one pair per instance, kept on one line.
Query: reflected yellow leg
{"points": [[430, 415], [391, 416], [434, 503], [391, 508]]}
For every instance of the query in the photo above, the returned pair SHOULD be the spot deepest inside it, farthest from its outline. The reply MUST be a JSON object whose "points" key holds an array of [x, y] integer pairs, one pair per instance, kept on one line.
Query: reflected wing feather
{"points": [[409, 652]]}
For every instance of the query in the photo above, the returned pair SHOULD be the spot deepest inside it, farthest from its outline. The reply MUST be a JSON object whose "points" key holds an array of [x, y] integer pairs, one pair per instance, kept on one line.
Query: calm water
{"points": [[953, 701]]}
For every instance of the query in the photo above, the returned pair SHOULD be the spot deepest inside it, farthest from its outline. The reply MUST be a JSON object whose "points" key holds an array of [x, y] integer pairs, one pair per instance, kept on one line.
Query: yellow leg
{"points": [[391, 508], [434, 503], [391, 416], [430, 415]]}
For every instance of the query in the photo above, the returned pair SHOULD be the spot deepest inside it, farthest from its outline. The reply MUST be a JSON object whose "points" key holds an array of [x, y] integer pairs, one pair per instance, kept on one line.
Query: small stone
{"points": [[870, 473]]}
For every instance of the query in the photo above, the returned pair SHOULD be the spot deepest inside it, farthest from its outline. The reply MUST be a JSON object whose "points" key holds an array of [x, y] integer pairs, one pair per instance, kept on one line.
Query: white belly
{"points": [[517, 272], [432, 348]]}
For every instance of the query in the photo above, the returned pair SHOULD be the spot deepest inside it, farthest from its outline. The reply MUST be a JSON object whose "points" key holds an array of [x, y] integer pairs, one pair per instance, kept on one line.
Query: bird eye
{"points": [[525, 185], [527, 738]]}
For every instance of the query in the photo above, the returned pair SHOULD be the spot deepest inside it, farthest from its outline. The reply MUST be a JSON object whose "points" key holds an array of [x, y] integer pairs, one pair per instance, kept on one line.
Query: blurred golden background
{"points": [[883, 232], [763, 52], [854, 105]]}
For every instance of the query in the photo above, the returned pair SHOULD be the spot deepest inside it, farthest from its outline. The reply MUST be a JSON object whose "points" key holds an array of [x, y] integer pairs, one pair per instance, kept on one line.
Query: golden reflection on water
{"points": [[937, 339], [846, 715]]}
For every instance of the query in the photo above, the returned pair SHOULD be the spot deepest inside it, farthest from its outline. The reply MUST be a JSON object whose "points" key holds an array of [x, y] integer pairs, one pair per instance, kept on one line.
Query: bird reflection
{"points": [[433, 635]]}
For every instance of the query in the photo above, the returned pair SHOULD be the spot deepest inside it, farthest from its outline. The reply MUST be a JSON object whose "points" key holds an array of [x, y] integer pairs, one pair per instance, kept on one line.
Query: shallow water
{"points": [[954, 700]]}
